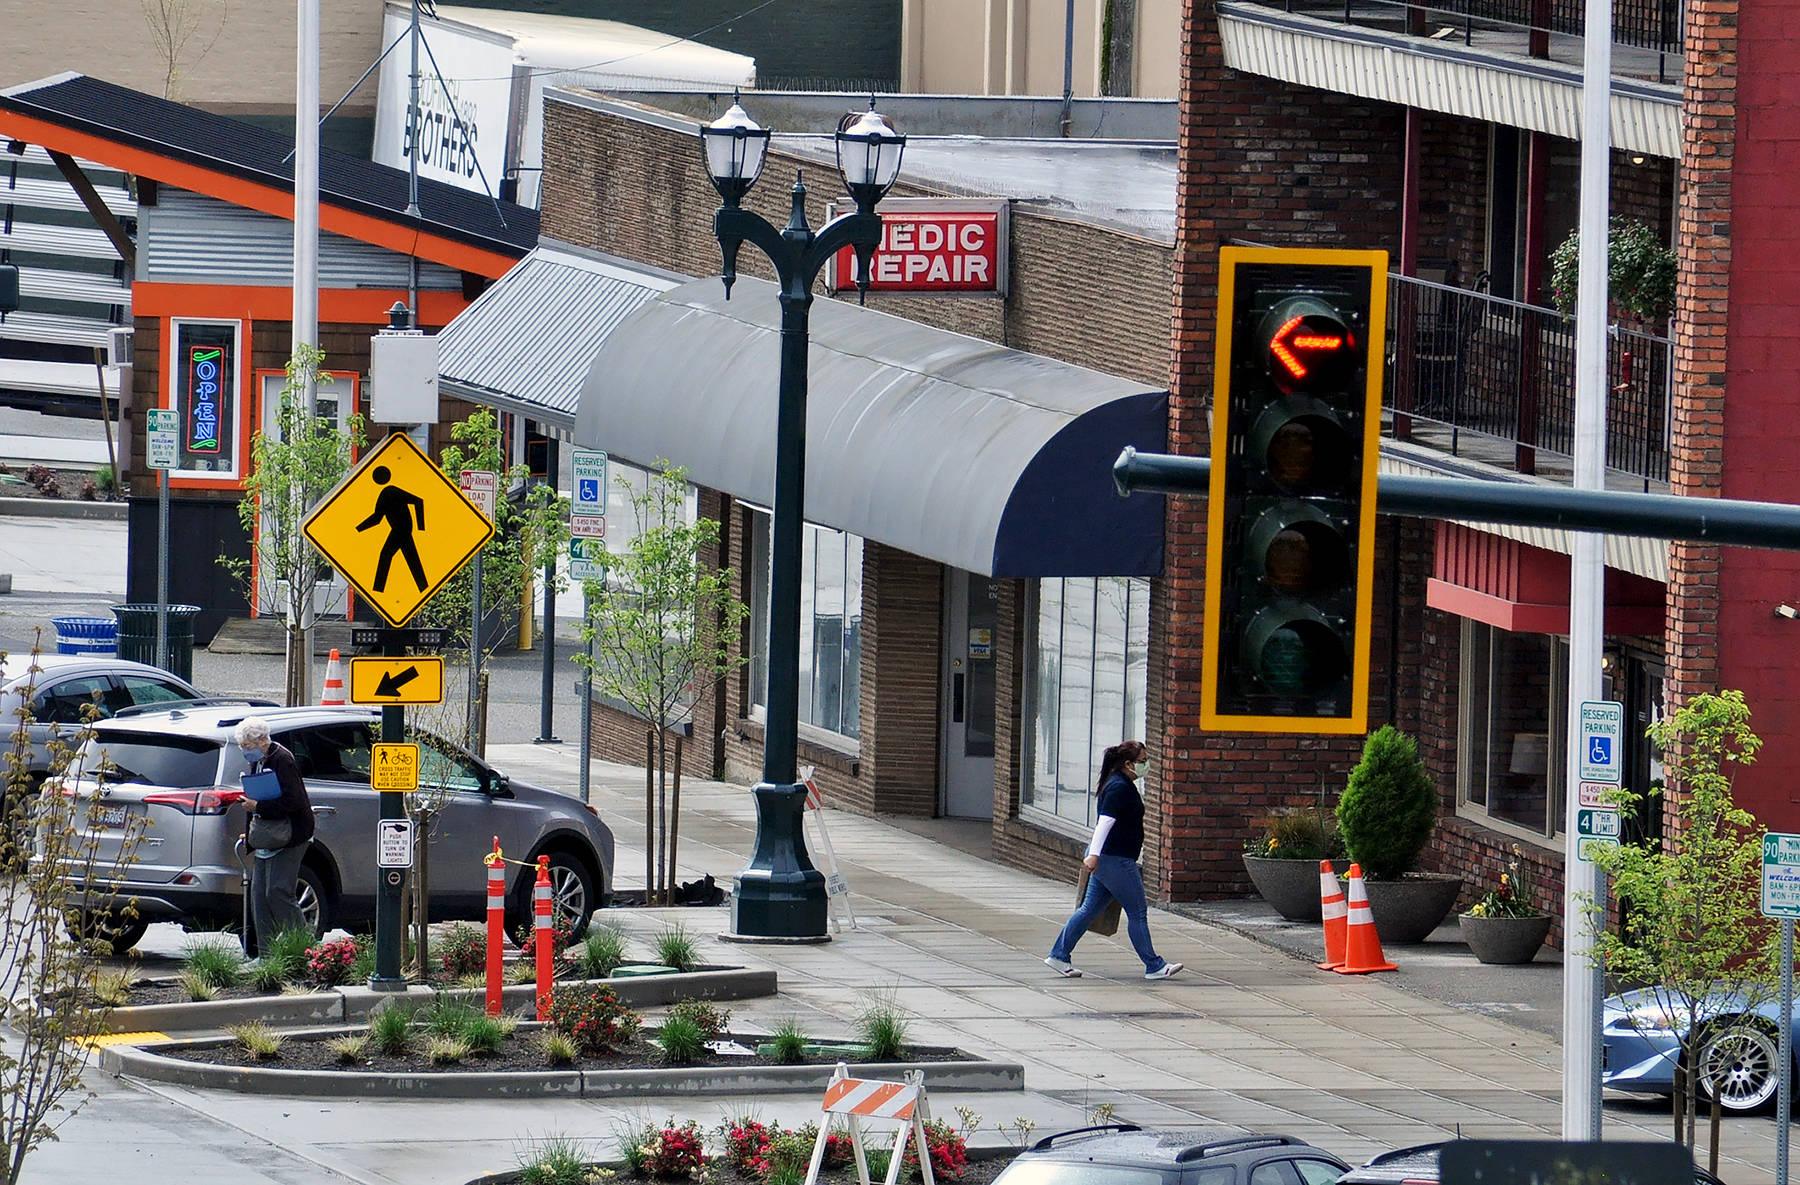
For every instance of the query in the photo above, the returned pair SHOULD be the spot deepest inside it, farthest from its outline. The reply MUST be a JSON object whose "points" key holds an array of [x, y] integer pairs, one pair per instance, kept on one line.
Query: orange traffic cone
{"points": [[1362, 948], [1331, 904], [332, 694]]}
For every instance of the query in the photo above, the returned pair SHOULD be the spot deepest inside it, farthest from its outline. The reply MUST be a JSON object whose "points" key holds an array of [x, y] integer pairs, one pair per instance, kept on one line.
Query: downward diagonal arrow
{"points": [[391, 683]]}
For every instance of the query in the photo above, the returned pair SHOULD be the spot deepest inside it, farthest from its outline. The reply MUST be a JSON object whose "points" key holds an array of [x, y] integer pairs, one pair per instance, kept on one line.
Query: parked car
{"points": [[181, 769], [1122, 1154], [1418, 1165], [1642, 1032], [59, 689]]}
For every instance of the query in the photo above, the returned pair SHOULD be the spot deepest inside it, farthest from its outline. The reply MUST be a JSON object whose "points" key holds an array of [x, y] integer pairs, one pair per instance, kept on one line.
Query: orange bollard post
{"points": [[496, 928], [543, 936], [1334, 911]]}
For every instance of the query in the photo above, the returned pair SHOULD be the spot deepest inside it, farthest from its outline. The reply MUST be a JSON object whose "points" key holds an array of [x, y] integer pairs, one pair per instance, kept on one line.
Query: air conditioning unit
{"points": [[118, 347]]}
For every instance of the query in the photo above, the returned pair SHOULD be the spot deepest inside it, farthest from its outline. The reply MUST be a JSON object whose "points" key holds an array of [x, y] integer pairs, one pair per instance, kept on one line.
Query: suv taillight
{"points": [[214, 801]]}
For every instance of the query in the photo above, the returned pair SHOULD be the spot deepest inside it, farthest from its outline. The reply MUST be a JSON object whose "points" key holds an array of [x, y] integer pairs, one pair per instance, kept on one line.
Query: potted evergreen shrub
{"points": [[1283, 862], [1387, 812]]}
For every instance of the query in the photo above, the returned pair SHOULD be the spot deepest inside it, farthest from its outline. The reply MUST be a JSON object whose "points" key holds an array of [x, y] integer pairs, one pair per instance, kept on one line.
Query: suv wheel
{"points": [[122, 936], [315, 904], [572, 895]]}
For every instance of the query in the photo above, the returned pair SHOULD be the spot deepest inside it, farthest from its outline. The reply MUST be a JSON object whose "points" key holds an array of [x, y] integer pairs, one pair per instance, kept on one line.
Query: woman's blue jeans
{"points": [[1115, 877]]}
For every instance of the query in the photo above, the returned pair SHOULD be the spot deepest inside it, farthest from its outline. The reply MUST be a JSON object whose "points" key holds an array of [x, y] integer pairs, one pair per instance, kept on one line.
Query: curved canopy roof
{"points": [[985, 458]]}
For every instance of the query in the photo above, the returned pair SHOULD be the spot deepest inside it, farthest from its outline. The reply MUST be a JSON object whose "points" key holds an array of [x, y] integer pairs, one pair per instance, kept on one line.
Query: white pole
{"points": [[1581, 976], [306, 290]]}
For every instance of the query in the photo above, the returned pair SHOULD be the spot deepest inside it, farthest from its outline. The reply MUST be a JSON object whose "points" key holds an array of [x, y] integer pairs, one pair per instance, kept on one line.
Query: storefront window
{"points": [[830, 625], [1513, 716], [1087, 674], [204, 395]]}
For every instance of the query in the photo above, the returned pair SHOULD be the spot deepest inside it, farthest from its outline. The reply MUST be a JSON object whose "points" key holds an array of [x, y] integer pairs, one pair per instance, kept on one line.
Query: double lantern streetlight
{"points": [[780, 895]]}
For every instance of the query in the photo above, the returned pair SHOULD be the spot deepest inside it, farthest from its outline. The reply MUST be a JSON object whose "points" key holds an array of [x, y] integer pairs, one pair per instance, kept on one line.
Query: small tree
{"points": [[1389, 806], [289, 472], [663, 633], [530, 530], [54, 916], [174, 27], [1693, 936]]}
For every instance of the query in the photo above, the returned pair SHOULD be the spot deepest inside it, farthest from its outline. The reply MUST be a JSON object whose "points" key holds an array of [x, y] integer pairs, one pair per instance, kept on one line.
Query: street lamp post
{"points": [[780, 894]]}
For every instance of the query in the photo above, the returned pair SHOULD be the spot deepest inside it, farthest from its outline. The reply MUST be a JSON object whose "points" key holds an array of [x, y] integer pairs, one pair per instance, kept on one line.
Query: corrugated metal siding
{"points": [[1648, 558], [532, 337], [189, 238], [1394, 69]]}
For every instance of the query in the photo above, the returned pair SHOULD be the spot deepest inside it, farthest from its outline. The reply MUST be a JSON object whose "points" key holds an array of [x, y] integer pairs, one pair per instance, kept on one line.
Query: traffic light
{"points": [[1290, 547]]}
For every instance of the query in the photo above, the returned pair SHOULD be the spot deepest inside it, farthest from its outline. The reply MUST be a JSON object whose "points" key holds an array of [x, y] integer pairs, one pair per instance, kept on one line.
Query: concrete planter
{"points": [[1505, 940], [1291, 887], [1409, 909]]}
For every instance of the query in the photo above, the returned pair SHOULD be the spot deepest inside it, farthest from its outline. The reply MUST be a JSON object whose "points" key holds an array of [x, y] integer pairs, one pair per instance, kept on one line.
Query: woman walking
{"points": [[1112, 866]]}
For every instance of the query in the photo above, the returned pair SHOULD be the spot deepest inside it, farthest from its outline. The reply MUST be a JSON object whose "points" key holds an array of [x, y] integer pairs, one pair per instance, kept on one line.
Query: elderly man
{"points": [[275, 871]]}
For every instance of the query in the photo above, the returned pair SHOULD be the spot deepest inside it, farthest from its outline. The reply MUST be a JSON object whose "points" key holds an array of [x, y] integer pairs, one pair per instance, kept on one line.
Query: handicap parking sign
{"points": [[589, 490], [1602, 734], [1600, 750]]}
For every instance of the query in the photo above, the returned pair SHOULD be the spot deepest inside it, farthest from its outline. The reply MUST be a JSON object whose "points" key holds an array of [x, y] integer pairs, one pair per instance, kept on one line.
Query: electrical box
{"points": [[403, 378]]}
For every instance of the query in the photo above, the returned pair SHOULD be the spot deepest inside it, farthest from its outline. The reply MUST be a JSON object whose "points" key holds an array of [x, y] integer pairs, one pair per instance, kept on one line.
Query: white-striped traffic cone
{"points": [[332, 694], [1334, 911]]}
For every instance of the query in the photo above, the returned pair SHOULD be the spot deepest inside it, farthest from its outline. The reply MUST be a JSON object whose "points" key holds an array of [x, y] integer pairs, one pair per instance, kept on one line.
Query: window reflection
{"points": [[830, 625]]}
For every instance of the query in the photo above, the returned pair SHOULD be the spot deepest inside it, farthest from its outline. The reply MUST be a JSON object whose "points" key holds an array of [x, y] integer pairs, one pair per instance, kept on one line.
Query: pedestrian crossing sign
{"points": [[397, 528]]}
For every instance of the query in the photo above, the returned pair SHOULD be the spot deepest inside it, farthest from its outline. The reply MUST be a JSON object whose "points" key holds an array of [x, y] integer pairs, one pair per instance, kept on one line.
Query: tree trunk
{"points": [[649, 816], [1679, 1099], [662, 816], [675, 823], [1712, 1153]]}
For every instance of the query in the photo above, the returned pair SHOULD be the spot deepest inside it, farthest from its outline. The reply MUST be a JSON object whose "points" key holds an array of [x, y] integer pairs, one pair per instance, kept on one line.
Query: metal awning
{"points": [[984, 458], [526, 343]]}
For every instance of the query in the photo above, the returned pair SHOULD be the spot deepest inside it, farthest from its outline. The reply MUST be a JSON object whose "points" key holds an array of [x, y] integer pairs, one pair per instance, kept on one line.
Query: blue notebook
{"points": [[261, 787]]}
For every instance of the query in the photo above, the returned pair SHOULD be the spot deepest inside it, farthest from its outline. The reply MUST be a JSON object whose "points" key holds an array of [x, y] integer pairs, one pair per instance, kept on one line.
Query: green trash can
{"points": [[137, 636]]}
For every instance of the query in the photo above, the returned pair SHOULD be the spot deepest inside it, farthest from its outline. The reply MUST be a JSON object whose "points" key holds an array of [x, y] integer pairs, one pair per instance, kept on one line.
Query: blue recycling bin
{"points": [[86, 635]]}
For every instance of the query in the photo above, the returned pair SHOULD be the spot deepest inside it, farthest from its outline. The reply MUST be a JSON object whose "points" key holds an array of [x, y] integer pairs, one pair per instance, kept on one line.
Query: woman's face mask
{"points": [[250, 754]]}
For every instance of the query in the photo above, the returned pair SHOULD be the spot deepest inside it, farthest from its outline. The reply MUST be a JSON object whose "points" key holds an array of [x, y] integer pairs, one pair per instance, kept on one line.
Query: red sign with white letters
{"points": [[931, 251]]}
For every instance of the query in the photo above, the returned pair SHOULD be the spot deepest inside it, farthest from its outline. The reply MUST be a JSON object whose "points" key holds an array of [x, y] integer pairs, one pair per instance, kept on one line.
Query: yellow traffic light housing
{"points": [[1290, 550]]}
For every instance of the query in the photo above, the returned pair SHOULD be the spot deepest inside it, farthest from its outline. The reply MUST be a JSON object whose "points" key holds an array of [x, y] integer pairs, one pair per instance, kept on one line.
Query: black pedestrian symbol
{"points": [[397, 508]]}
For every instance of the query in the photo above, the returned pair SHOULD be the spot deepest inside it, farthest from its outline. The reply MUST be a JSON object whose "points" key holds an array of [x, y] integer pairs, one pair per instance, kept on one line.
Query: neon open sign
{"points": [[206, 398]]}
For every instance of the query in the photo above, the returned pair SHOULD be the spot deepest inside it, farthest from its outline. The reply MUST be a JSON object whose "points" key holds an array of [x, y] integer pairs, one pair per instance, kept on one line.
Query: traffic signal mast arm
{"points": [[1726, 521]]}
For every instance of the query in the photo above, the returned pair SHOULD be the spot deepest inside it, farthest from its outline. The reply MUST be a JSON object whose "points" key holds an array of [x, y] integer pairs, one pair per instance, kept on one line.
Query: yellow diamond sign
{"points": [[397, 528]]}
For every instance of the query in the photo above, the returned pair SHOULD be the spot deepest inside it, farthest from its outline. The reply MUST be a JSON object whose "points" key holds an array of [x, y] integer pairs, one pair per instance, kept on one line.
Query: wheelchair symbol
{"points": [[590, 490], [1599, 750]]}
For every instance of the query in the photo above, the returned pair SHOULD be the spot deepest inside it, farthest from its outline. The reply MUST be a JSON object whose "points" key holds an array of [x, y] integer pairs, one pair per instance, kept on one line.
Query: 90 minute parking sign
{"points": [[1781, 875]]}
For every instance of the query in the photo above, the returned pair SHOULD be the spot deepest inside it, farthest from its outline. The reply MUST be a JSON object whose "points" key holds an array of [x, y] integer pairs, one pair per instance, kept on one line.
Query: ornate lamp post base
{"points": [[779, 895]]}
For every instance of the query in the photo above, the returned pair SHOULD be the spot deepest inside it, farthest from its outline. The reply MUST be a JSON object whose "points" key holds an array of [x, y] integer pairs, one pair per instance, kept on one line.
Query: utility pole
{"points": [[306, 305]]}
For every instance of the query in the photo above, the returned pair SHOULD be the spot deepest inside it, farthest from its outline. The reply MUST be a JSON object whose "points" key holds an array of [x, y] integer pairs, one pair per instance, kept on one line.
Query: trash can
{"points": [[85, 635], [137, 636]]}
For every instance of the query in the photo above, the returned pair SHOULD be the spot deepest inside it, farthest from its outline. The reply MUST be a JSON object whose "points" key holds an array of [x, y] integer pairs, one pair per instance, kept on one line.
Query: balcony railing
{"points": [[1647, 34], [1476, 363]]}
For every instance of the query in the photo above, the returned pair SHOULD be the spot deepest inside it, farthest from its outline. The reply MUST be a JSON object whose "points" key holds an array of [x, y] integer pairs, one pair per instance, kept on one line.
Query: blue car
{"points": [[1643, 1030]]}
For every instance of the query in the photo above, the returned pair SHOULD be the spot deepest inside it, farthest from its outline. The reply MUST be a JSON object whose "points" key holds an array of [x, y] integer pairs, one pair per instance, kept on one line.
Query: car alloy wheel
{"points": [[1742, 1063], [568, 892]]}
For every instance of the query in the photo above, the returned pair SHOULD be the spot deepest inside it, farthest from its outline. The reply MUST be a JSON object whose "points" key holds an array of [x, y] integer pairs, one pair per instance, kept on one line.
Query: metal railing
{"points": [[1483, 364], [1654, 25]]}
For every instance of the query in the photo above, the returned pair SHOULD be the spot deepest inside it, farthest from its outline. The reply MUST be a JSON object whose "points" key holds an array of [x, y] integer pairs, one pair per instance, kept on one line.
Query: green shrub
{"points": [[462, 951], [1389, 807], [485, 1034], [450, 1017], [593, 1017], [557, 1161], [601, 952], [363, 966], [789, 1043], [219, 965], [257, 1039], [112, 988], [196, 988], [1641, 271], [682, 1040], [445, 1051], [558, 1048], [710, 1017], [283, 960], [1299, 833], [675, 948], [391, 1029], [348, 1049], [883, 1029]]}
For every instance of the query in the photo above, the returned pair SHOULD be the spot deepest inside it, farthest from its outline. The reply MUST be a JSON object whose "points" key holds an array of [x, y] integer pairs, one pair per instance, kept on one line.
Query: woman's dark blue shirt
{"points": [[1119, 798]]}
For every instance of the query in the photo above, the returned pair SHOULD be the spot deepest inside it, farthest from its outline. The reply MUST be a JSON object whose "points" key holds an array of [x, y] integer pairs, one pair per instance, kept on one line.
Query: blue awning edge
{"points": [[984, 458]]}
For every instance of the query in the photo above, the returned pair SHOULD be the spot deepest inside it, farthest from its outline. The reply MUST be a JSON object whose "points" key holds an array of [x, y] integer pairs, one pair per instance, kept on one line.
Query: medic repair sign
{"points": [[933, 245]]}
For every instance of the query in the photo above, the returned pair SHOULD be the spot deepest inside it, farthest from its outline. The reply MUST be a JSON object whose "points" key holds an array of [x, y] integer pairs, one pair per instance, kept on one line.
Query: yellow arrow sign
{"points": [[397, 529], [396, 680], [394, 767]]}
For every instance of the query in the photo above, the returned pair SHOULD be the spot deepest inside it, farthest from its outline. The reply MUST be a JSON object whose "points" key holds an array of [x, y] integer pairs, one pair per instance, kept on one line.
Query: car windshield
{"points": [[1032, 1171], [130, 759]]}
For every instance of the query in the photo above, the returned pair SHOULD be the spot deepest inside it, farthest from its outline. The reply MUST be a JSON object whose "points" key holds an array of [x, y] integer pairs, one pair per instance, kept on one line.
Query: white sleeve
{"points": [[1102, 827]]}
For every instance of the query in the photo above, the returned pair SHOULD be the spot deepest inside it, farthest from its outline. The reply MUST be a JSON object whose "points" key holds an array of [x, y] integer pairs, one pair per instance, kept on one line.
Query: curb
{"points": [[356, 1003], [61, 508], [147, 1065]]}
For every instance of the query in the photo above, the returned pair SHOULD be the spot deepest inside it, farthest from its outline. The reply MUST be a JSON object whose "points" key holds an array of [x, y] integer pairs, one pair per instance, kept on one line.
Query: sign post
{"points": [[482, 488], [164, 431], [587, 561], [397, 529], [1781, 899]]}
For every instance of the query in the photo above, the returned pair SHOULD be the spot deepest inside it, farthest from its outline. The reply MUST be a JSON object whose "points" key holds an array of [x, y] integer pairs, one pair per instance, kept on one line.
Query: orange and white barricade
{"points": [[837, 889], [858, 1100]]}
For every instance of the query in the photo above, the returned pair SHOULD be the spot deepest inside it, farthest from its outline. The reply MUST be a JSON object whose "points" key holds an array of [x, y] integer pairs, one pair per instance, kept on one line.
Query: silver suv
{"points": [[180, 769]]}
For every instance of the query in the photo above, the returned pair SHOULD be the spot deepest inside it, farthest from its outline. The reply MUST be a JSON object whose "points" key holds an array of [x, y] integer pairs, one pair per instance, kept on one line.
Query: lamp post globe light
{"points": [[779, 894]]}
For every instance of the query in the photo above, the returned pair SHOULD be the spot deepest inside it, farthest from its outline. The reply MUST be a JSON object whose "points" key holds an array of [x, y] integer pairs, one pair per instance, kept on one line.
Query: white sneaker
{"points": [[1164, 971], [1063, 968]]}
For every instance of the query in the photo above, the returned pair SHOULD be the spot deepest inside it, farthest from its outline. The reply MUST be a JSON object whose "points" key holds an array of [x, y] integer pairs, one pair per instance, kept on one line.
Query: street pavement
{"points": [[1250, 1034]]}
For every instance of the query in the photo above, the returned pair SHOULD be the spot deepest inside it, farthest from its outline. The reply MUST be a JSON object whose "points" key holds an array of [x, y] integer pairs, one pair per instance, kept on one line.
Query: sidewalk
{"points": [[1247, 1035]]}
